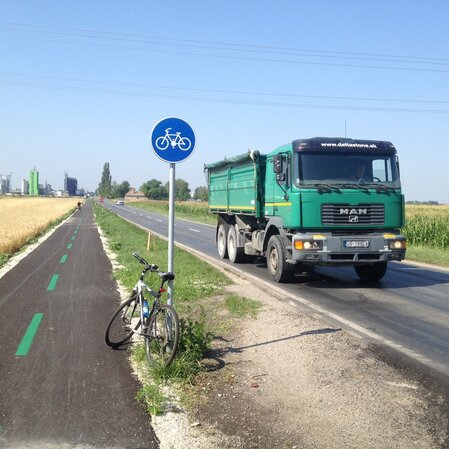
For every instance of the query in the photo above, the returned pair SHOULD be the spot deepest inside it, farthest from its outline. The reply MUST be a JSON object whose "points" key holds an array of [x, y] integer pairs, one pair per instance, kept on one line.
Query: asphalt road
{"points": [[60, 385], [408, 311]]}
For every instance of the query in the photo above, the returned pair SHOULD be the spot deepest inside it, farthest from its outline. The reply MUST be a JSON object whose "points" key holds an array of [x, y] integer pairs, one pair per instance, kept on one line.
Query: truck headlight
{"points": [[308, 245], [395, 241], [398, 244]]}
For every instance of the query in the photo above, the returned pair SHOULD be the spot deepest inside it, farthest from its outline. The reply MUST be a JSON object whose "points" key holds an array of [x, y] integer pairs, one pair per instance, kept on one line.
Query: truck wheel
{"points": [[370, 273], [236, 254], [279, 269], [222, 240]]}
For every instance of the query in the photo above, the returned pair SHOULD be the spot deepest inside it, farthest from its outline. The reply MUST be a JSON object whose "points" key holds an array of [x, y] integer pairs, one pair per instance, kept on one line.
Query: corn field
{"points": [[427, 226]]}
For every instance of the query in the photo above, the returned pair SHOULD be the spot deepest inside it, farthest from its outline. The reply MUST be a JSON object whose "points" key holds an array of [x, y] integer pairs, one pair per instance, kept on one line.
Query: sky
{"points": [[84, 82]]}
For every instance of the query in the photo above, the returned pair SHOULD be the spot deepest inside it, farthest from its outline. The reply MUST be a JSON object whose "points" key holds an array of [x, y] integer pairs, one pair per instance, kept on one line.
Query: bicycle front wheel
{"points": [[123, 323], [162, 337]]}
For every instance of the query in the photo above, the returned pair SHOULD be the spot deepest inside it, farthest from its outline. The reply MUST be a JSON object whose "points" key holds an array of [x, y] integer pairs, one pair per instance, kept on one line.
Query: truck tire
{"points": [[371, 273], [236, 253], [278, 268], [222, 240]]}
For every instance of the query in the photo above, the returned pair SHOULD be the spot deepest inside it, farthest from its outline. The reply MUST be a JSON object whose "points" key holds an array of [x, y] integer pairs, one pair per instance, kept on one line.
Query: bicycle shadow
{"points": [[215, 357]]}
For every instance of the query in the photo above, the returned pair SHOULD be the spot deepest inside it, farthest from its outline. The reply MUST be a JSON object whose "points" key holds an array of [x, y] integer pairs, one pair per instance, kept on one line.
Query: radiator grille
{"points": [[349, 214]]}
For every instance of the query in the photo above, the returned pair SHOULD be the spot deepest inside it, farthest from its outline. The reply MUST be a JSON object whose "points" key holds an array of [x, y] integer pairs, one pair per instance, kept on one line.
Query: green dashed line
{"points": [[53, 282], [69, 246], [73, 238], [30, 333], [63, 259], [75, 231]]}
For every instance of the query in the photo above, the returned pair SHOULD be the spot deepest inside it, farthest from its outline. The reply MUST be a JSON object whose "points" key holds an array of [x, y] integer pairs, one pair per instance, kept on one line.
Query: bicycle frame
{"points": [[177, 137]]}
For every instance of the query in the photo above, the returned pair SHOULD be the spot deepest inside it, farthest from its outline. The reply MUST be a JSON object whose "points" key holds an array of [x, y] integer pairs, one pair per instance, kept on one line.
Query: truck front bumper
{"points": [[350, 249]]}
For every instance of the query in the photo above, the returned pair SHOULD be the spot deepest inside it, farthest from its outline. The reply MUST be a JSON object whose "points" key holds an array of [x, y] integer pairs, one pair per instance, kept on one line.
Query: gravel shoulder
{"points": [[286, 379]]}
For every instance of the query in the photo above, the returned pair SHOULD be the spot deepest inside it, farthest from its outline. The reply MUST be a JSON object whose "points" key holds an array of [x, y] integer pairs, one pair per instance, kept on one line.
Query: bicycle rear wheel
{"points": [[161, 341], [123, 323]]}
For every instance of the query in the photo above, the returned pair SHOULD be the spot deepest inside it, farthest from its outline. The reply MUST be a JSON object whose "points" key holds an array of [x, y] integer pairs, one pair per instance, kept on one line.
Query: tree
{"points": [[182, 191], [201, 193], [154, 190], [105, 186], [120, 190]]}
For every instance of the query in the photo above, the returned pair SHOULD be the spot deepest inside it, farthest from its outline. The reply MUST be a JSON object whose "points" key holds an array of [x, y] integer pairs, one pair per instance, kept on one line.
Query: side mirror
{"points": [[277, 164]]}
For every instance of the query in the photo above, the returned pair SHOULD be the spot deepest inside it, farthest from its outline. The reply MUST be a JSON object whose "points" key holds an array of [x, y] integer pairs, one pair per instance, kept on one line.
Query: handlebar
{"points": [[152, 267]]}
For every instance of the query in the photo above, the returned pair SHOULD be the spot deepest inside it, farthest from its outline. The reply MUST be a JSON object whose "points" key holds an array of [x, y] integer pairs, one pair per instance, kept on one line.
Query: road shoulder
{"points": [[290, 379]]}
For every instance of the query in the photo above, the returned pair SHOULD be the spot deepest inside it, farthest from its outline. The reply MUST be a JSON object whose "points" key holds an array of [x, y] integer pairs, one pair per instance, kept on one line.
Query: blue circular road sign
{"points": [[173, 140]]}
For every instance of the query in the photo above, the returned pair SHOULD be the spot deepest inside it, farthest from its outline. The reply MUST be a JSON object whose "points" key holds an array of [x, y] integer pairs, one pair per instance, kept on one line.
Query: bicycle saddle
{"points": [[167, 276]]}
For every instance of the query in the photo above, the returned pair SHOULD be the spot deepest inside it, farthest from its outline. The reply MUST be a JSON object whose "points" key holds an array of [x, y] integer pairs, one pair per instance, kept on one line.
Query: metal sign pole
{"points": [[171, 229], [173, 140]]}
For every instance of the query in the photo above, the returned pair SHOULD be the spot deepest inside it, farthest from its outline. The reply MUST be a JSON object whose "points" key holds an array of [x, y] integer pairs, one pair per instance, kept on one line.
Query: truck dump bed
{"points": [[236, 184]]}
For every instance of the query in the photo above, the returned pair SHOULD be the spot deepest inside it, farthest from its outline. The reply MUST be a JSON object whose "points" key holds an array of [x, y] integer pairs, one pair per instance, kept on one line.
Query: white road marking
{"points": [[194, 230]]}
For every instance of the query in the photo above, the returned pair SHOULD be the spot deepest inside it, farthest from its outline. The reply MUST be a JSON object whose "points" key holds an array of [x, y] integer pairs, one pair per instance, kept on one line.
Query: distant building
{"points": [[133, 194], [5, 184], [47, 189], [25, 187], [70, 185], [34, 182]]}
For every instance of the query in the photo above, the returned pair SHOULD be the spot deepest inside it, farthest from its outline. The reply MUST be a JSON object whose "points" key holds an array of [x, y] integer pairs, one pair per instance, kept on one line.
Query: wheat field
{"points": [[22, 219]]}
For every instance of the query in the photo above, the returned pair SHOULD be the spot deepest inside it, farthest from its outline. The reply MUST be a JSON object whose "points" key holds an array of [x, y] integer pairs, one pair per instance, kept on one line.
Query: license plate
{"points": [[355, 243]]}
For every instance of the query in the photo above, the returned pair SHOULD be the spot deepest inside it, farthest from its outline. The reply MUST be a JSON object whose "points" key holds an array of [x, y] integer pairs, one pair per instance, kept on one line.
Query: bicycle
{"points": [[174, 140], [159, 326]]}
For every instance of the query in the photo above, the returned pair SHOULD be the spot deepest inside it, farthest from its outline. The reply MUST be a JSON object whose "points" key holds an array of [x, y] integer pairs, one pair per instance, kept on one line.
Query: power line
{"points": [[272, 50], [123, 36], [224, 91], [223, 100]]}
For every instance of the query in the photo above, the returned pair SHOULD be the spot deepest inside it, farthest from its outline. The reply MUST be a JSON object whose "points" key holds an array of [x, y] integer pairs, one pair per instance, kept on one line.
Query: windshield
{"points": [[345, 168]]}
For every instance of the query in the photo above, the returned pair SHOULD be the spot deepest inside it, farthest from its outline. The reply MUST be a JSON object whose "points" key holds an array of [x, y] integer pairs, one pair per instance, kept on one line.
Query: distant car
{"points": [[120, 203]]}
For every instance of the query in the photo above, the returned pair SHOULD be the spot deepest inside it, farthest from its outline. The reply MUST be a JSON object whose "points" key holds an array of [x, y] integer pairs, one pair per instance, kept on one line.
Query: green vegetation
{"points": [[195, 279], [241, 306], [187, 210], [109, 188], [155, 190], [428, 255], [197, 297], [427, 232], [427, 226], [153, 399]]}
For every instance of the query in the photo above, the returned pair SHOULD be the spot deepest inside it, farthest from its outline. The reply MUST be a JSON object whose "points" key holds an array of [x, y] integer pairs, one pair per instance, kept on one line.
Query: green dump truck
{"points": [[319, 201]]}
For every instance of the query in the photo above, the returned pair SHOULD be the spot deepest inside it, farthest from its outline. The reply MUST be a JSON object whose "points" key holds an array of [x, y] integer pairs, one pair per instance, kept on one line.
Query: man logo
{"points": [[353, 211], [353, 219]]}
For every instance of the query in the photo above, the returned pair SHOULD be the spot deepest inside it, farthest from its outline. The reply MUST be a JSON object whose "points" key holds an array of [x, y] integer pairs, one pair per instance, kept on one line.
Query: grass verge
{"points": [[187, 210], [424, 254], [200, 298]]}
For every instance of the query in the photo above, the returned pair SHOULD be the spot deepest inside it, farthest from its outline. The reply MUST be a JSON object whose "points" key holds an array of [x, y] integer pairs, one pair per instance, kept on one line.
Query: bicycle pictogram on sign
{"points": [[173, 140]]}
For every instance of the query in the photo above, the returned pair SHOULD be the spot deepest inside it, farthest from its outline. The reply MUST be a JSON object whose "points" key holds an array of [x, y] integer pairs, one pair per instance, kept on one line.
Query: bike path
{"points": [[60, 385]]}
